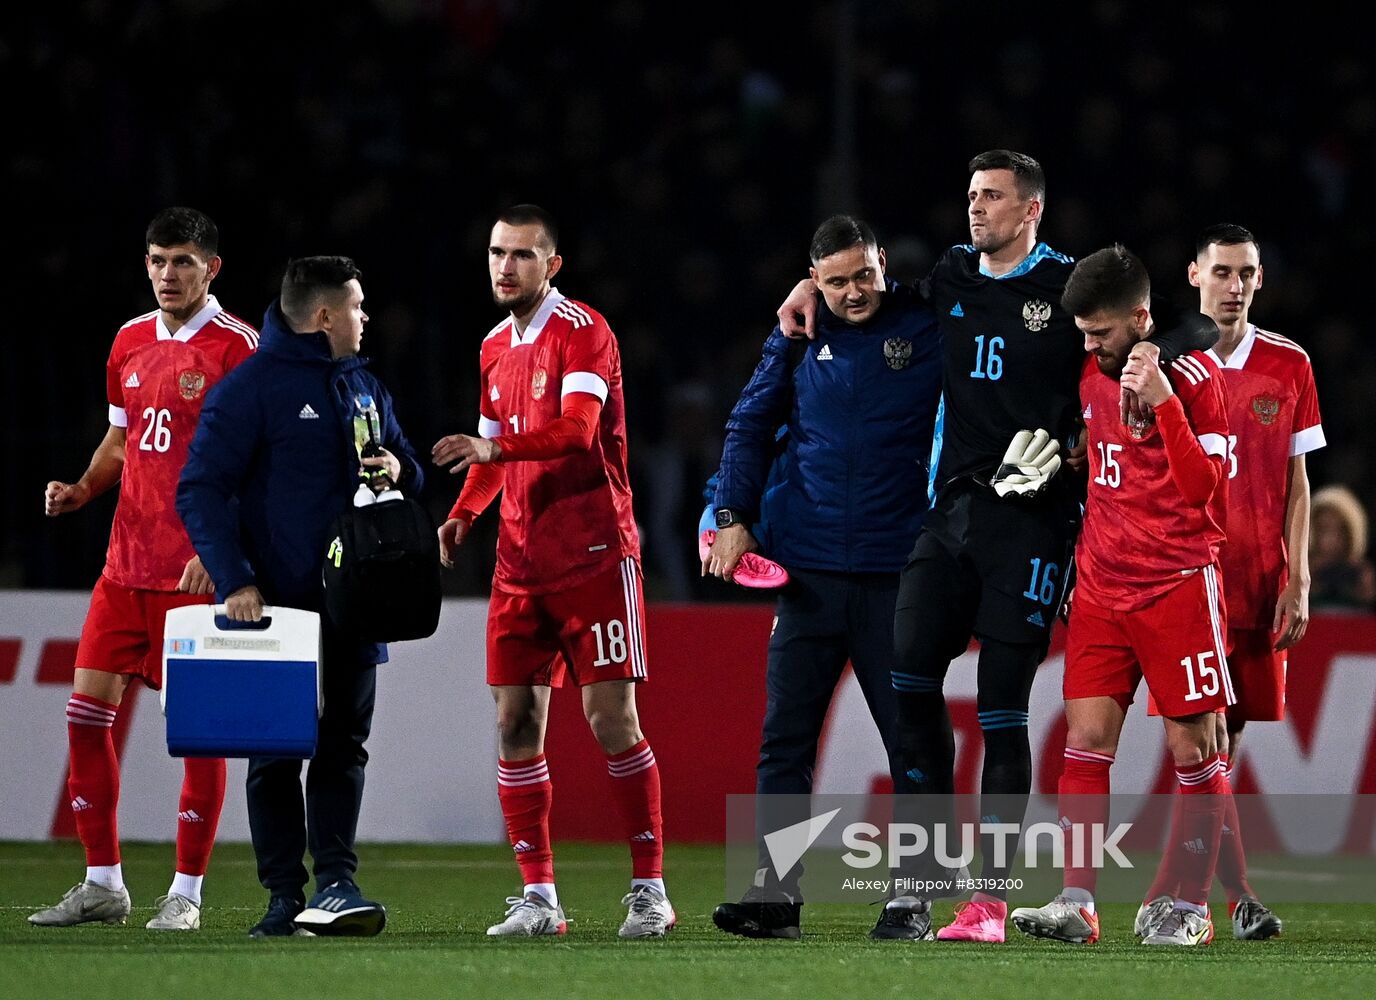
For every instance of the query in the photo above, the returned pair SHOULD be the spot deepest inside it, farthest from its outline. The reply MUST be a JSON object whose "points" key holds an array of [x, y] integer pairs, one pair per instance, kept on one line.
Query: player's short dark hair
{"points": [[174, 226], [1226, 234], [840, 232], [527, 214], [1028, 173], [308, 279], [1113, 279]]}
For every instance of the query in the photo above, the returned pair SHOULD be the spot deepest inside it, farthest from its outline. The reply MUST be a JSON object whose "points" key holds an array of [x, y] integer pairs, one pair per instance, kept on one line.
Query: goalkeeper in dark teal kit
{"points": [[994, 556]]}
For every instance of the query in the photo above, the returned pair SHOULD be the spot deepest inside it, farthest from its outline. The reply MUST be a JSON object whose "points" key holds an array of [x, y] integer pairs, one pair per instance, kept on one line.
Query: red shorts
{"points": [[1176, 643], [1258, 672], [123, 629], [593, 632]]}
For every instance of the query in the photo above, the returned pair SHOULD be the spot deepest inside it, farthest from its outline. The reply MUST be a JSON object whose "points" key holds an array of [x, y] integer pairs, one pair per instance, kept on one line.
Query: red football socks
{"points": [[93, 779], [198, 812], [1083, 802], [525, 792], [1204, 794], [635, 787]]}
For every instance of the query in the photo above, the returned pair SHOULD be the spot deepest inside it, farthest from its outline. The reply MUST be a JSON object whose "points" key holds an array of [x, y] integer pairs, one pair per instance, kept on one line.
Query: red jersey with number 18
{"points": [[1140, 537], [568, 519], [1273, 413], [156, 381]]}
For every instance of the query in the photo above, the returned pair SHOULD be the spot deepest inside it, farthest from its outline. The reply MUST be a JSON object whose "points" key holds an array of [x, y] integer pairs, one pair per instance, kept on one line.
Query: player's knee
{"points": [[1093, 735], [615, 729], [100, 684], [1191, 745], [516, 728]]}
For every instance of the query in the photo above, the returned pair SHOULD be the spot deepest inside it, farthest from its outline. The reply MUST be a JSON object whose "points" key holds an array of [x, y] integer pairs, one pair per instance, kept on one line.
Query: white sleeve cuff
{"points": [[118, 418], [1214, 444], [1307, 440], [584, 382], [488, 428]]}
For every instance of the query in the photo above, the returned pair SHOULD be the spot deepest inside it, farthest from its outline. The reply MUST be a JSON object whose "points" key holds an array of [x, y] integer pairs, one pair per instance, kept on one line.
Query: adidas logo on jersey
{"points": [[521, 846], [1089, 411], [78, 804], [1035, 618], [307, 413], [645, 837], [132, 382], [190, 816], [825, 353], [494, 395], [957, 311]]}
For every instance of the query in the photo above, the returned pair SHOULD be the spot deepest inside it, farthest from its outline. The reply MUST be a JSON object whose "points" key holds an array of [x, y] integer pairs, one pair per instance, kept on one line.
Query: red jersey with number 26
{"points": [[1140, 537], [568, 519], [156, 381], [1273, 414]]}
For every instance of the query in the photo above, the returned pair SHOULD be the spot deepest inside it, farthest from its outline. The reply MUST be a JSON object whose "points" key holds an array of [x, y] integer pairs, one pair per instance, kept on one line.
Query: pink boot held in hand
{"points": [[753, 571]]}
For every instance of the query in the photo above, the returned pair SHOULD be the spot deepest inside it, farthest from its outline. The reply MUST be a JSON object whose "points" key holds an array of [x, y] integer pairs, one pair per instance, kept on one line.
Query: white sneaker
{"points": [[1062, 919], [1254, 922], [175, 913], [530, 915], [1150, 914], [85, 903], [1183, 928], [651, 915]]}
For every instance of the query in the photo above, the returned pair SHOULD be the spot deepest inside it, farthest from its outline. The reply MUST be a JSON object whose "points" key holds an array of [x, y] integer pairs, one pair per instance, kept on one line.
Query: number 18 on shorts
{"points": [[591, 632]]}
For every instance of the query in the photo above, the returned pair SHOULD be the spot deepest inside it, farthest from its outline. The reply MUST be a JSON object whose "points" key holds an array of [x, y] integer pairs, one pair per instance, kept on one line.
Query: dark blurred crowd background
{"points": [[688, 151]]}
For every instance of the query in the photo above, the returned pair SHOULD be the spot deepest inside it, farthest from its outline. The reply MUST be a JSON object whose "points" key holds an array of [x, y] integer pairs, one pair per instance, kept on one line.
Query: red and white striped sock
{"points": [[635, 787], [93, 779], [1083, 802], [1232, 858], [198, 817], [1204, 798], [526, 794]]}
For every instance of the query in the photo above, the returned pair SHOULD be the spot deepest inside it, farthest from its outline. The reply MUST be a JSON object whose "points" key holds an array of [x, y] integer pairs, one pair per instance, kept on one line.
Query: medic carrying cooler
{"points": [[234, 689]]}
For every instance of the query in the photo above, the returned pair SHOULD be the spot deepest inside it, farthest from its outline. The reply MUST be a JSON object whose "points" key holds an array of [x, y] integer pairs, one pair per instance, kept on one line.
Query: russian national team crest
{"points": [[1036, 315], [191, 384], [538, 382], [898, 353], [1265, 409]]}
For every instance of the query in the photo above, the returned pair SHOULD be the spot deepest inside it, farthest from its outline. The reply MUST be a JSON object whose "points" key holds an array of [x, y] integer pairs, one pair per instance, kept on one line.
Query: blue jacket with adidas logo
{"points": [[859, 408], [276, 435]]}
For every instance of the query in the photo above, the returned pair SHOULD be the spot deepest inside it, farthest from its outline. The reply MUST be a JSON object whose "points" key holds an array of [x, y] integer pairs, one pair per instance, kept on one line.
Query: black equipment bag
{"points": [[382, 572]]}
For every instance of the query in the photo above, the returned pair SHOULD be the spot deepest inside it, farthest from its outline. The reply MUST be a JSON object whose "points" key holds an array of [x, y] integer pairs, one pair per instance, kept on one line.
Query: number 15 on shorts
{"points": [[1201, 675]]}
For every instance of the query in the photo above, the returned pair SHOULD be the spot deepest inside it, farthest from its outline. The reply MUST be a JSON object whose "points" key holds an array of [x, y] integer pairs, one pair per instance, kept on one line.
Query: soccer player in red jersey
{"points": [[1148, 600], [160, 368], [567, 601], [1273, 413]]}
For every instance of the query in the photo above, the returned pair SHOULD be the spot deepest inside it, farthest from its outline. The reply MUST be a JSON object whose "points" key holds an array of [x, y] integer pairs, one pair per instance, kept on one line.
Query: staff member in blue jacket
{"points": [[277, 436], [860, 408]]}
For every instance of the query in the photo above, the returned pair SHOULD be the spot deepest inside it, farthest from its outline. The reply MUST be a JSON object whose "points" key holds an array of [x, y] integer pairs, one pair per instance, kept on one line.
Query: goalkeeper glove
{"points": [[1028, 464]]}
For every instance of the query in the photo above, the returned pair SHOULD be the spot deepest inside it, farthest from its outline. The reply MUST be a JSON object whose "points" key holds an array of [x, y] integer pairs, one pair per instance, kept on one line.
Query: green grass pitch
{"points": [[441, 899]]}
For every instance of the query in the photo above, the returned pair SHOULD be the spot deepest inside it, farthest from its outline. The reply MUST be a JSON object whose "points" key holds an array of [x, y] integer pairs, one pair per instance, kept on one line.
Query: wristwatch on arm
{"points": [[727, 517]]}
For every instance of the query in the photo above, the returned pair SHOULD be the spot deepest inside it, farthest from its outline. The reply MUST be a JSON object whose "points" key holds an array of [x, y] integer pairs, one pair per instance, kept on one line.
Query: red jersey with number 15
{"points": [[1140, 538], [1273, 413], [563, 520], [156, 381]]}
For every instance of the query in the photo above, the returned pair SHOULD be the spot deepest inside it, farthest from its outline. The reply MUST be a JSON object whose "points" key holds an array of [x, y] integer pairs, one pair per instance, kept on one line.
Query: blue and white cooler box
{"points": [[234, 689]]}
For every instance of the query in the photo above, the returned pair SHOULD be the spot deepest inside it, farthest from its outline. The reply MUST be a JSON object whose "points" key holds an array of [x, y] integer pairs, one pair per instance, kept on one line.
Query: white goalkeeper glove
{"points": [[1028, 464]]}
